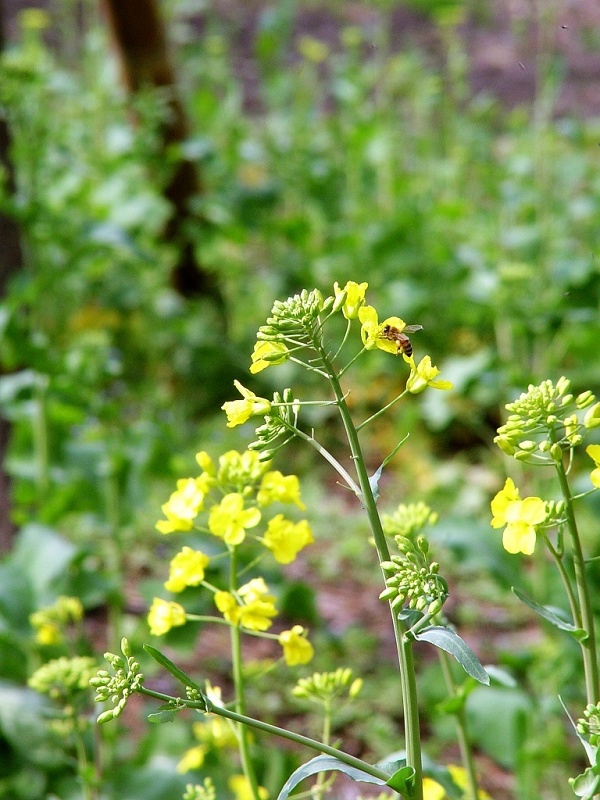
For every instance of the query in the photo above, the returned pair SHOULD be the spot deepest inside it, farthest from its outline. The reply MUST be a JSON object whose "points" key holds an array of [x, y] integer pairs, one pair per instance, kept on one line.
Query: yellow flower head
{"points": [[255, 608], [432, 790], [285, 539], [520, 518], [355, 297], [296, 647], [593, 451], [241, 788], [183, 506], [268, 354], [238, 411], [186, 569], [278, 488], [372, 330], [50, 621], [164, 615], [192, 759], [229, 519], [206, 463], [424, 374]]}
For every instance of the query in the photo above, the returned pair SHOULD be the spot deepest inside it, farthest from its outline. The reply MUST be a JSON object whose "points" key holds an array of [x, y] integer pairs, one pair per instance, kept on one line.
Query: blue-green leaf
{"points": [[446, 639], [402, 781], [550, 615], [325, 764]]}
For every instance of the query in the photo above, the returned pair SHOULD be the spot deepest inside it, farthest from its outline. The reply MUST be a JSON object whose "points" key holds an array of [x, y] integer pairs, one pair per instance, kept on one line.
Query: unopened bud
{"points": [[528, 446], [592, 417], [556, 452]]}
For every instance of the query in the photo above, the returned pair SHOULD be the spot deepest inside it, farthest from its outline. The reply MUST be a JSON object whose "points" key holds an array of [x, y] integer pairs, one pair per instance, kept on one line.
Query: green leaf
{"points": [[164, 714], [325, 764], [449, 641], [550, 615], [586, 784], [165, 662], [402, 781], [376, 476]]}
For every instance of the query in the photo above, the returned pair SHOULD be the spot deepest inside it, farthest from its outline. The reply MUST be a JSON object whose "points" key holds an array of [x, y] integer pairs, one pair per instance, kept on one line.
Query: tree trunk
{"points": [[139, 37], [11, 262]]}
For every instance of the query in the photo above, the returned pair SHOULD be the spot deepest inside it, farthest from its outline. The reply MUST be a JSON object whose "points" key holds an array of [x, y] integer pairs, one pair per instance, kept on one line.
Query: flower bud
{"points": [[584, 399], [544, 446], [522, 455], [568, 398], [529, 446], [505, 444], [592, 417], [556, 452]]}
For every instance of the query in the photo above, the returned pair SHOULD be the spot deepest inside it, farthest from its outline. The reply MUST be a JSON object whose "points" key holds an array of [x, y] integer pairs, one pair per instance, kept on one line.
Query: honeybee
{"points": [[399, 336]]}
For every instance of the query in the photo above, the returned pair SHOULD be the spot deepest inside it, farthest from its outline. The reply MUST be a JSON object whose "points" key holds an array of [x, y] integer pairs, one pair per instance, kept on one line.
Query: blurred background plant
{"points": [[333, 142]]}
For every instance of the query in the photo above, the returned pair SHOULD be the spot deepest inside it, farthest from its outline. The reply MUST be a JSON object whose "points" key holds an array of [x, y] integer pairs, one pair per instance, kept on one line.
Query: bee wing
{"points": [[412, 328]]}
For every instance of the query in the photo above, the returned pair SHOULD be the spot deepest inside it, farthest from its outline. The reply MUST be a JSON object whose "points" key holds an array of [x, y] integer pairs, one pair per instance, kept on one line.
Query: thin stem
{"points": [[266, 727], [566, 582], [588, 645], [238, 683], [403, 646], [331, 459], [460, 717], [381, 411]]}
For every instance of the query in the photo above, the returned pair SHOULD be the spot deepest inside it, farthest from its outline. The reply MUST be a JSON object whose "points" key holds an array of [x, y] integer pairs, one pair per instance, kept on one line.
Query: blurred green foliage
{"points": [[350, 160]]}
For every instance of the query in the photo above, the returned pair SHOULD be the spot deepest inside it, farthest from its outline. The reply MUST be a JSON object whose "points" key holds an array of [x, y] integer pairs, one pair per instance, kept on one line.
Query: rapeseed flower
{"points": [[268, 354], [254, 608], [186, 569], [229, 519], [424, 374], [296, 647], [278, 488], [183, 506], [355, 297], [520, 518], [285, 539], [593, 451], [238, 411], [164, 615]]}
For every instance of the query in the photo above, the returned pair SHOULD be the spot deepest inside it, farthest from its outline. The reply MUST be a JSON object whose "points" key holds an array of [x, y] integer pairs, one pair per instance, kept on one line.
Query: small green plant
{"points": [[544, 427], [235, 498]]}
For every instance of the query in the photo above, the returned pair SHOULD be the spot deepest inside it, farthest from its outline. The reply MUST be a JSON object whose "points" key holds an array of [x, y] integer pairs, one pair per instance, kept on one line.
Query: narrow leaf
{"points": [[376, 476], [550, 615], [325, 764], [164, 714], [446, 639], [165, 662], [590, 751]]}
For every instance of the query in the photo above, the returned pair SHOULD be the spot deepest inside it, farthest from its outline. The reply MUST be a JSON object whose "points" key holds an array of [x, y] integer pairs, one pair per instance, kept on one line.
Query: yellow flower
{"points": [[520, 518], [229, 519], [254, 610], [312, 49], [268, 354], [186, 569], [296, 647], [164, 615], [278, 488], [372, 331], [423, 375], [242, 791], [183, 506], [206, 463], [459, 776], [593, 451], [192, 759], [48, 633], [285, 539], [238, 411], [355, 297], [432, 790]]}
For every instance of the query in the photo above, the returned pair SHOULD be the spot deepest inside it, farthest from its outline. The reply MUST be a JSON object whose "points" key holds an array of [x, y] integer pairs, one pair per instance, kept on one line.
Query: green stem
{"points": [[588, 645], [403, 646], [40, 435], [266, 727], [461, 731], [381, 411], [238, 683], [566, 583]]}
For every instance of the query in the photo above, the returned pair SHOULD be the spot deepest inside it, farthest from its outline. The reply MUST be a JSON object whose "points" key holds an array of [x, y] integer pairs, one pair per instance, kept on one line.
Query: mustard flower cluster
{"points": [[589, 725], [323, 687], [63, 678], [119, 687], [412, 579], [547, 419], [408, 520], [232, 497], [51, 621]]}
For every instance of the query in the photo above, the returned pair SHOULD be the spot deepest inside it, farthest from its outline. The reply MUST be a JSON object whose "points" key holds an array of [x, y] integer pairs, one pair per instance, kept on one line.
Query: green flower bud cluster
{"points": [[206, 791], [544, 421], [413, 579], [325, 686], [296, 320], [276, 425], [555, 513], [408, 520], [119, 687], [240, 472], [589, 725], [63, 678]]}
